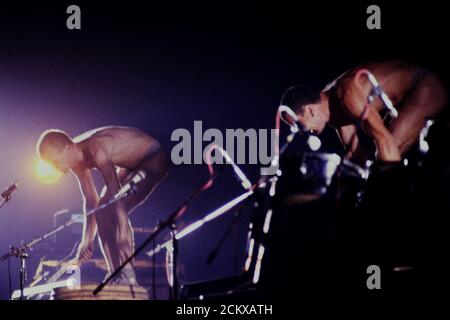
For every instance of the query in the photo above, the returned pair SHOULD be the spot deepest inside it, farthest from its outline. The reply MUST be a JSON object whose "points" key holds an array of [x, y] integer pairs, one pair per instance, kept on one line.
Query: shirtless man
{"points": [[415, 92], [118, 153]]}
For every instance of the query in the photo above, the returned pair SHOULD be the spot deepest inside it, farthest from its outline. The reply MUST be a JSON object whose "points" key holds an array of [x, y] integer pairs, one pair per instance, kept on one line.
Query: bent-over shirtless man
{"points": [[118, 153]]}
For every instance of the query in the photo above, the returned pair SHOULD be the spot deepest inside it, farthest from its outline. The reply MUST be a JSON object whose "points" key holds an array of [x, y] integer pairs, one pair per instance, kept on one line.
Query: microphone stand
{"points": [[22, 251], [174, 274], [4, 201], [199, 223], [6, 195], [61, 227], [213, 254], [170, 221], [22, 254]]}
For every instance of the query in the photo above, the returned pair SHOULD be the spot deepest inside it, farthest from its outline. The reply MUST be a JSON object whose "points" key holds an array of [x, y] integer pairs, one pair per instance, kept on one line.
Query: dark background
{"points": [[160, 67]]}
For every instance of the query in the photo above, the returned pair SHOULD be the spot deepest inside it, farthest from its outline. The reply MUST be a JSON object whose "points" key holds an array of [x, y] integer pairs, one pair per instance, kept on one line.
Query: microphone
{"points": [[293, 121], [7, 193], [60, 212], [378, 91], [312, 139], [131, 187], [246, 184]]}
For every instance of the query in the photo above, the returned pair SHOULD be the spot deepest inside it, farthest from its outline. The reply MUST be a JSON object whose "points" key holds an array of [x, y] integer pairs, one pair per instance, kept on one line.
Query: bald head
{"points": [[52, 141]]}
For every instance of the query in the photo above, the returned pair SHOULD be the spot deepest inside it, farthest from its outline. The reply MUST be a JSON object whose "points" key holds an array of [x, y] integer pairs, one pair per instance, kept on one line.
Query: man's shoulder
{"points": [[79, 172], [88, 134], [108, 130]]}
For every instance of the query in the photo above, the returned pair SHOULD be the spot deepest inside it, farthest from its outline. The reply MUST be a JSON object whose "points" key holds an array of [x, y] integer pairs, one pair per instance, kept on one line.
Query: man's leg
{"points": [[107, 225], [156, 169], [426, 100]]}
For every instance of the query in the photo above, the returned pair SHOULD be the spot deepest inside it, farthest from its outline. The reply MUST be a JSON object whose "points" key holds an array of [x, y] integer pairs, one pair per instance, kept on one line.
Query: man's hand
{"points": [[85, 250]]}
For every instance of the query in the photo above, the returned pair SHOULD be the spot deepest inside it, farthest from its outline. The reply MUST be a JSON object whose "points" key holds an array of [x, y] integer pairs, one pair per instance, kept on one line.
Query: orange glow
{"points": [[46, 173]]}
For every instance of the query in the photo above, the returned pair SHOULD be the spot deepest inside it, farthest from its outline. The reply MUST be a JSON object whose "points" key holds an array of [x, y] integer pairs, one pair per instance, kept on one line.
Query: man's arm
{"points": [[350, 141], [108, 170], [354, 97], [90, 201]]}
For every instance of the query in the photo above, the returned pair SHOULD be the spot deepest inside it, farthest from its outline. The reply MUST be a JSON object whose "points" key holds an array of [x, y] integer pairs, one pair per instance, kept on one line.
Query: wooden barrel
{"points": [[113, 292]]}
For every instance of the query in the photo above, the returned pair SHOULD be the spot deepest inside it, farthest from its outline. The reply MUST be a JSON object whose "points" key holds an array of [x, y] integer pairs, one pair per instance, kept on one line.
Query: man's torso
{"points": [[126, 147], [395, 77]]}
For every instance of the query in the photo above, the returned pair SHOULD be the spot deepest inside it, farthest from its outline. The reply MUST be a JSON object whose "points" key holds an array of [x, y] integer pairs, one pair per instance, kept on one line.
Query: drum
{"points": [[111, 292], [310, 175]]}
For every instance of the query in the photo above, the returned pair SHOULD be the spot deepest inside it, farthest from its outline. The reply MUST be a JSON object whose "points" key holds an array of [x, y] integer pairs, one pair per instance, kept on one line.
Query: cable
{"points": [[9, 277], [154, 271]]}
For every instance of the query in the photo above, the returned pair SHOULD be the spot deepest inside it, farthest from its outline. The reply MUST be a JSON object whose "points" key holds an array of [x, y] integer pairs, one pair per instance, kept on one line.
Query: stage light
{"points": [[46, 173], [314, 142]]}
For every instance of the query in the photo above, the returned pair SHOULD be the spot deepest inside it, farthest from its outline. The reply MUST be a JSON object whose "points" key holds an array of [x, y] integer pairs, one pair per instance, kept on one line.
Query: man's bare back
{"points": [[395, 77], [416, 92], [125, 147]]}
